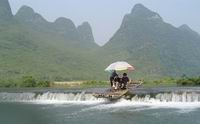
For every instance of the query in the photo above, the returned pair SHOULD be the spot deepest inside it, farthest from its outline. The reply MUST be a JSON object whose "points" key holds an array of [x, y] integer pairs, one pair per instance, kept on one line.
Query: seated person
{"points": [[124, 81], [116, 82], [113, 75]]}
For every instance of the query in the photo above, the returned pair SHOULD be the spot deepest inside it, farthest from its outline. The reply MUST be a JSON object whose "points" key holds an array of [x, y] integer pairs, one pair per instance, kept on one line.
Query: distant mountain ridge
{"points": [[86, 34], [5, 11], [154, 46], [61, 26], [31, 45], [28, 15], [187, 29]]}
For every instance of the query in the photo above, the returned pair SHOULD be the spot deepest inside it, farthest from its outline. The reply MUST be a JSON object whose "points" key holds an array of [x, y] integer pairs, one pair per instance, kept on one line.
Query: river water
{"points": [[170, 105]]}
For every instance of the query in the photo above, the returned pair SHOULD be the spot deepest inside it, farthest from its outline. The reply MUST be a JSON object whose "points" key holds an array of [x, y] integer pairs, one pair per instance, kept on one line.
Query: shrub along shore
{"points": [[31, 82]]}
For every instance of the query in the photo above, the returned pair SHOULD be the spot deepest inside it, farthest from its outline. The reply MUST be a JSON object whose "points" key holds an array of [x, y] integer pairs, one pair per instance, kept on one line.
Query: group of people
{"points": [[117, 82]]}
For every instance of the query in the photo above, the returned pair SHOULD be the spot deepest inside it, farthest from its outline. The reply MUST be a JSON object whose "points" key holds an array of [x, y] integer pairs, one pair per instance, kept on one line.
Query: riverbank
{"points": [[106, 84], [89, 84], [79, 84], [31, 82]]}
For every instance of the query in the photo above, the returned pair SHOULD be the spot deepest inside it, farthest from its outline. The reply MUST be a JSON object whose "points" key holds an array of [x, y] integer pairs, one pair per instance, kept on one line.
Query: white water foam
{"points": [[185, 100], [51, 98], [154, 104]]}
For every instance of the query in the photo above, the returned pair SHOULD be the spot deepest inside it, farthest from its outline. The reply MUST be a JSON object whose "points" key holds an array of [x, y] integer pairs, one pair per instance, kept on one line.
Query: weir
{"points": [[47, 96], [142, 95]]}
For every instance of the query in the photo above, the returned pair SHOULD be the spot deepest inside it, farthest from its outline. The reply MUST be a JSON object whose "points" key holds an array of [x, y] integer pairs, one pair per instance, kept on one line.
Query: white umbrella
{"points": [[119, 66]]}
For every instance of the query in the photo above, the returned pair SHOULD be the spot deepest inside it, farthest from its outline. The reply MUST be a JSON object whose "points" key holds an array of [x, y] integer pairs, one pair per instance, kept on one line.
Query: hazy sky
{"points": [[105, 16]]}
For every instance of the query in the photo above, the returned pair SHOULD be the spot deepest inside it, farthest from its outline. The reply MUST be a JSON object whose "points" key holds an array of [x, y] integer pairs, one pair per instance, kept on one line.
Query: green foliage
{"points": [[28, 81], [8, 83], [43, 84], [188, 81], [25, 81]]}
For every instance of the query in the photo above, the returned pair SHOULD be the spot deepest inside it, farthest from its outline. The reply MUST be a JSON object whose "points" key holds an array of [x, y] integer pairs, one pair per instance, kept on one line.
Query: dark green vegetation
{"points": [[26, 81], [60, 51], [188, 81], [181, 81]]}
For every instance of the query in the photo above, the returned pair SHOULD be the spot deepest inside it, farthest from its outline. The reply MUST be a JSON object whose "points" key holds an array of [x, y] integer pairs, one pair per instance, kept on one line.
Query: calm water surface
{"points": [[20, 113]]}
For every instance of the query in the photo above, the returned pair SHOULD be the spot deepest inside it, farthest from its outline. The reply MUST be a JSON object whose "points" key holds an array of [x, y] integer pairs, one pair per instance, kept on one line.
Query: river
{"points": [[169, 105]]}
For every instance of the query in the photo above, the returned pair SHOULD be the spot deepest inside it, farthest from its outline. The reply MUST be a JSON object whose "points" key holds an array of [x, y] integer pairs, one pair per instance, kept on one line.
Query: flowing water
{"points": [[170, 105]]}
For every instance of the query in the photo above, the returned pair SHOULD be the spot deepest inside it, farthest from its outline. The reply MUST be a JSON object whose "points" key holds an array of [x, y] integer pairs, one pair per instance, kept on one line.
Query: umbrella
{"points": [[119, 66]]}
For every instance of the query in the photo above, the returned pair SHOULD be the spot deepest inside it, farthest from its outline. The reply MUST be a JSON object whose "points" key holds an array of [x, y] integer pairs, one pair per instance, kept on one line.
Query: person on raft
{"points": [[117, 82], [112, 77], [124, 81]]}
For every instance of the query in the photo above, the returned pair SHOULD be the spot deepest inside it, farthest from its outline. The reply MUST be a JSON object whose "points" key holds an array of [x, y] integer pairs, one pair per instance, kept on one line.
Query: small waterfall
{"points": [[168, 97], [48, 97], [88, 97]]}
